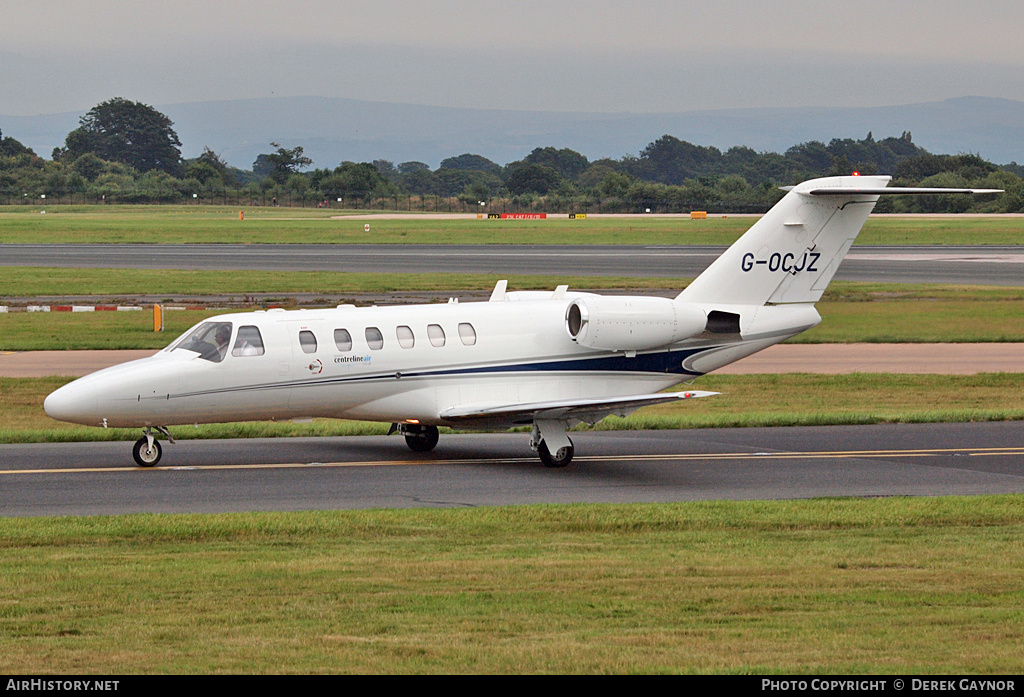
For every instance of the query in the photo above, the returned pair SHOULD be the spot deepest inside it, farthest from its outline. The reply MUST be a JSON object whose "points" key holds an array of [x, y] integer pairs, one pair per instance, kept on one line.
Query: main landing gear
{"points": [[548, 440], [419, 438], [147, 450], [551, 444]]}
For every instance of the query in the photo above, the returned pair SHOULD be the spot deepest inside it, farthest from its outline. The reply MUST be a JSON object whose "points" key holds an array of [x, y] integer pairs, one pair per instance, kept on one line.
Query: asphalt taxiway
{"points": [[467, 470]]}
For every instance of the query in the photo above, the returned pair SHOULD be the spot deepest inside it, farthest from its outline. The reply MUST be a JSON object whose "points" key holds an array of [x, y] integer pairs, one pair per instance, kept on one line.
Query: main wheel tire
{"points": [[560, 458], [423, 440], [144, 455]]}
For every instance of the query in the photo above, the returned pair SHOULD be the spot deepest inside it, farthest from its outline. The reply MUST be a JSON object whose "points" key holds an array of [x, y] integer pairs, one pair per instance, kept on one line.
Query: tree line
{"points": [[128, 152]]}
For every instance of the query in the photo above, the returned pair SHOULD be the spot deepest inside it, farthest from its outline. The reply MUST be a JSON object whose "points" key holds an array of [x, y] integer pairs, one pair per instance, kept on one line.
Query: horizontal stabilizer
{"points": [[849, 191], [586, 410]]}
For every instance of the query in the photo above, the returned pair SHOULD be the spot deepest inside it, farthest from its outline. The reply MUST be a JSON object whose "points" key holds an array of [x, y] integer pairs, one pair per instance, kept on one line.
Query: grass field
{"points": [[218, 224], [927, 586], [36, 281]]}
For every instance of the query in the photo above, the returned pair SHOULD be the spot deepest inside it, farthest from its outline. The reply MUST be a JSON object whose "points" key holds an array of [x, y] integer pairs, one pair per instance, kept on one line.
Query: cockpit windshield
{"points": [[210, 340]]}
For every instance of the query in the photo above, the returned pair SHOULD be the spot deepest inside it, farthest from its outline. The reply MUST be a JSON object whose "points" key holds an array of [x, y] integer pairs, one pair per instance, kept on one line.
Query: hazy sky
{"points": [[557, 55]]}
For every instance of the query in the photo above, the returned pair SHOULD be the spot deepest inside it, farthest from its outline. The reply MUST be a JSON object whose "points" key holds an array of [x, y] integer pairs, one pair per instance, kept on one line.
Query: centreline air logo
{"points": [[352, 359], [787, 263]]}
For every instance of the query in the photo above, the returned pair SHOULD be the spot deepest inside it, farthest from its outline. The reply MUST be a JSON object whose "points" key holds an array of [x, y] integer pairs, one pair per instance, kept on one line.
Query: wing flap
{"points": [[586, 410]]}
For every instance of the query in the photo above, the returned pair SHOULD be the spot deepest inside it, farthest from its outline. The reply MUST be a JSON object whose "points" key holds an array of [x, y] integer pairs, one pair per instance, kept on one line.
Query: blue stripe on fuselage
{"points": [[663, 362]]}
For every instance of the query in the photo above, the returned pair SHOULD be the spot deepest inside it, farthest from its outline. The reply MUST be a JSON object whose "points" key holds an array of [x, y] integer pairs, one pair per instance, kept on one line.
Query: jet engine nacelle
{"points": [[631, 323]]}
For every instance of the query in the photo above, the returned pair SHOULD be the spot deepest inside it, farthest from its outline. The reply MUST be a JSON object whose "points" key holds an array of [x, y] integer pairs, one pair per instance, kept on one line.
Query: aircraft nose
{"points": [[73, 404]]}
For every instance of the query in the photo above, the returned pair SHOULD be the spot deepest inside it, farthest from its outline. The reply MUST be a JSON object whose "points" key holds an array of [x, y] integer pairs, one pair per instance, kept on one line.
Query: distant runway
{"points": [[961, 265], [470, 470]]}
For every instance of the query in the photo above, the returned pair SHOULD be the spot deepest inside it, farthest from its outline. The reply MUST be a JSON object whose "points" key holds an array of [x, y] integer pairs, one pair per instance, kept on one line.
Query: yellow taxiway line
{"points": [[784, 455]]}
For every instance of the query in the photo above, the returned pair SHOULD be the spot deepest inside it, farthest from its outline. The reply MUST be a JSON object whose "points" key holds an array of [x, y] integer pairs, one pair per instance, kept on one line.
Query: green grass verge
{"points": [[877, 586], [851, 313], [917, 321], [219, 224], [746, 400], [27, 281]]}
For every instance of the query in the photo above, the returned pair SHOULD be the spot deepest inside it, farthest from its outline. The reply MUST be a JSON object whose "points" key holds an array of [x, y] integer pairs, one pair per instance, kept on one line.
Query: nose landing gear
{"points": [[147, 450]]}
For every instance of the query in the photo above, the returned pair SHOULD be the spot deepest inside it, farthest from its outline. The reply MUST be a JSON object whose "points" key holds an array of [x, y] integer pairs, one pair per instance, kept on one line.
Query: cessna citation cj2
{"points": [[546, 359]]}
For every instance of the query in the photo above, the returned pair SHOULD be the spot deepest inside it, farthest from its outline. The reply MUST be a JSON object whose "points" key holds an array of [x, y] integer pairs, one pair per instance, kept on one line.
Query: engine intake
{"points": [[631, 323]]}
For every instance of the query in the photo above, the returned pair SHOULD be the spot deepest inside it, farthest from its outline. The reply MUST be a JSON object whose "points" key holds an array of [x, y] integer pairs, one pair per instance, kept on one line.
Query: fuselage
{"points": [[391, 364]]}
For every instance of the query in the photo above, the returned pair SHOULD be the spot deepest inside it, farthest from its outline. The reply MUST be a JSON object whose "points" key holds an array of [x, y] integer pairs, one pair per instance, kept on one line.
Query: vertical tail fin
{"points": [[793, 251], [791, 254]]}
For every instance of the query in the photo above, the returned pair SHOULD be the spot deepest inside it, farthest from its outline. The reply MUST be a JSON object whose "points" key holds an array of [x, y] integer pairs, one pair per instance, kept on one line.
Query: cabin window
{"points": [[342, 339], [248, 342], [210, 340], [307, 341], [436, 334], [406, 339], [374, 339], [467, 333]]}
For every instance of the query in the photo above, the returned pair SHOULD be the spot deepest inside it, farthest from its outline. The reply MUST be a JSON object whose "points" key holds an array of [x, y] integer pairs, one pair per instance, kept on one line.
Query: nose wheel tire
{"points": [[146, 455], [560, 458]]}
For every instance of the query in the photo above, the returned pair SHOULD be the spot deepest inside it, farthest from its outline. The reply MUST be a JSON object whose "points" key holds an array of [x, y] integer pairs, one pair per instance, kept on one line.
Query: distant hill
{"points": [[332, 130]]}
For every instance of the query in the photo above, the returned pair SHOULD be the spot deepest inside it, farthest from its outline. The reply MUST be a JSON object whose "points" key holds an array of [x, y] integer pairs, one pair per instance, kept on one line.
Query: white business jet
{"points": [[548, 359]]}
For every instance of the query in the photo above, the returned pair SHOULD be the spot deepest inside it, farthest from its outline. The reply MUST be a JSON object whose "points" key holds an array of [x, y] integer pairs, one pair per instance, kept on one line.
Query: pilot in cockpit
{"points": [[223, 338]]}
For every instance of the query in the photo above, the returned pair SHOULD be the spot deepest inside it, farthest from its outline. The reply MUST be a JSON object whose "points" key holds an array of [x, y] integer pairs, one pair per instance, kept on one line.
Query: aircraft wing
{"points": [[585, 410]]}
